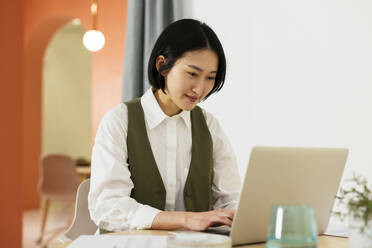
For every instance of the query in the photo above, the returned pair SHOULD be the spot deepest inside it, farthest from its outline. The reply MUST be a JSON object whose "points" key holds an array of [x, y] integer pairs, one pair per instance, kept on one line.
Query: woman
{"points": [[162, 162]]}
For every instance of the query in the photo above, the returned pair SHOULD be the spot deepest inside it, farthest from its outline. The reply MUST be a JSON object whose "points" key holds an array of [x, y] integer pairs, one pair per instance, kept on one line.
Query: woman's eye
{"points": [[192, 74], [211, 78]]}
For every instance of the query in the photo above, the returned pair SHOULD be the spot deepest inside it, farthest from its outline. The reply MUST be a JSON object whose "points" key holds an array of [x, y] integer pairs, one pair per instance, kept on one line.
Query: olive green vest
{"points": [[148, 185]]}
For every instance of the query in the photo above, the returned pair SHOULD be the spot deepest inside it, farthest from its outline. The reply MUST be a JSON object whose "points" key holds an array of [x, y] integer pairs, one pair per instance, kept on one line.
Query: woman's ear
{"points": [[160, 60]]}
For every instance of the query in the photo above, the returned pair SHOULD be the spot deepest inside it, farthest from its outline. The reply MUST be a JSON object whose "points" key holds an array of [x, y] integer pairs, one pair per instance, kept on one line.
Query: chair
{"points": [[58, 182], [82, 224]]}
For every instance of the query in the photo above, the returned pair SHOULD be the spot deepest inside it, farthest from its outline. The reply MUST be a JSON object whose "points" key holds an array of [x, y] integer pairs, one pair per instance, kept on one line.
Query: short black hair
{"points": [[178, 38]]}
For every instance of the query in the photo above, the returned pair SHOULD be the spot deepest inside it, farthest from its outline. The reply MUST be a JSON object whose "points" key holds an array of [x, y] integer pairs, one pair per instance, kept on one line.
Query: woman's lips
{"points": [[192, 99]]}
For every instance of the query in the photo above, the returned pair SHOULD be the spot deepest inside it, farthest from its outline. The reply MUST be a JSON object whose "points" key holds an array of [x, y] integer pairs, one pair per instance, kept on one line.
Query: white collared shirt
{"points": [[109, 201]]}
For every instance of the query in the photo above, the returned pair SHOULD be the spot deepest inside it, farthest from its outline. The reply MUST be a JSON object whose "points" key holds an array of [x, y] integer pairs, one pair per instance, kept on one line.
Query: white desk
{"points": [[323, 241]]}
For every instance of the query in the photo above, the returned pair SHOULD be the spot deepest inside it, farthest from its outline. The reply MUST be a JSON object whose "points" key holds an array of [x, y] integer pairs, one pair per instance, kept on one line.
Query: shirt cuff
{"points": [[144, 217], [232, 205]]}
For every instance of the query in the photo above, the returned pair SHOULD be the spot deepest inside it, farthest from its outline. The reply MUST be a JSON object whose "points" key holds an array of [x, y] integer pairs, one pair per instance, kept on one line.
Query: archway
{"points": [[66, 94], [33, 64]]}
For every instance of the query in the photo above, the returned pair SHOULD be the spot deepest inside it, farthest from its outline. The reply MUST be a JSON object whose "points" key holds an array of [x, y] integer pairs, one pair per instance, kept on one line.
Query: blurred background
{"points": [[298, 75]]}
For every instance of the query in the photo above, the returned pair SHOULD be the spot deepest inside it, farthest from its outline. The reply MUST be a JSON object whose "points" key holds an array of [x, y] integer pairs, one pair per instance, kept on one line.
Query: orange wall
{"points": [[11, 123], [41, 20]]}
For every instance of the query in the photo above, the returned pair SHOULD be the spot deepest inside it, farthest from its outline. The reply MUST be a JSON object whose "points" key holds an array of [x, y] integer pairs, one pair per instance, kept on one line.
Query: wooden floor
{"points": [[57, 218]]}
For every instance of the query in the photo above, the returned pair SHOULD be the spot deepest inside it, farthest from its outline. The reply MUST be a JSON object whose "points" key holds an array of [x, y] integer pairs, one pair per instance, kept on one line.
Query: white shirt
{"points": [[109, 201]]}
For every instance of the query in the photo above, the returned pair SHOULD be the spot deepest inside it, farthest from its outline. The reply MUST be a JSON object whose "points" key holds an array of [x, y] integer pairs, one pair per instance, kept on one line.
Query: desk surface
{"points": [[323, 241], [83, 170]]}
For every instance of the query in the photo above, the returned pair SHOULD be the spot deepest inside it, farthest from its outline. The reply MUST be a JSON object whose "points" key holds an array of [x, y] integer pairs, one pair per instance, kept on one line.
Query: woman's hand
{"points": [[195, 221], [200, 221]]}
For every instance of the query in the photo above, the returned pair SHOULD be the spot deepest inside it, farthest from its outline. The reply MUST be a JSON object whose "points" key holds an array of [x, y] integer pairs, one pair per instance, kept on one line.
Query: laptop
{"points": [[285, 175]]}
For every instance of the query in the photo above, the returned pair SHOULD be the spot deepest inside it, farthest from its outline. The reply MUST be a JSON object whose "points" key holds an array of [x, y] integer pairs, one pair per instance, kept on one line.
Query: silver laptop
{"points": [[286, 175]]}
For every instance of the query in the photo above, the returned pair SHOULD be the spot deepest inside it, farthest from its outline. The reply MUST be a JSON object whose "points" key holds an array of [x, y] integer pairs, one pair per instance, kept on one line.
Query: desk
{"points": [[323, 241], [83, 172]]}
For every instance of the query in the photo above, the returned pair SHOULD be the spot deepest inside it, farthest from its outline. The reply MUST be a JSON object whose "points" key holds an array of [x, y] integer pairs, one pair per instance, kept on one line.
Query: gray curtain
{"points": [[146, 20]]}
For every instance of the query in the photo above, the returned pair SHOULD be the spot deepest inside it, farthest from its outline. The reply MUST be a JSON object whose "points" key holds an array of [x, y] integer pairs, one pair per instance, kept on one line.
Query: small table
{"points": [[83, 172]]}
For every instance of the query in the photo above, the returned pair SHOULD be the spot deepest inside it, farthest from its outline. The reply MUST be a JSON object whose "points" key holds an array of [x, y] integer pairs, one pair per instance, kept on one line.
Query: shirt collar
{"points": [[154, 115], [186, 117]]}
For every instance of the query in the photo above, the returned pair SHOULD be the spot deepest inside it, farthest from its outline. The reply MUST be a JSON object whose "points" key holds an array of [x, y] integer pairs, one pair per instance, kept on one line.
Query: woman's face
{"points": [[190, 79]]}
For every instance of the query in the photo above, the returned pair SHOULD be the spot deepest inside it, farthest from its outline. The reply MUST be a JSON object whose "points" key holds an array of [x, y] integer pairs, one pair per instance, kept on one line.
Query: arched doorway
{"points": [[57, 76], [66, 94]]}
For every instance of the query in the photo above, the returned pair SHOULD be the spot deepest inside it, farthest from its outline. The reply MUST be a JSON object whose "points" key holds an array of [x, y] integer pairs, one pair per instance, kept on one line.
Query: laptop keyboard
{"points": [[223, 230]]}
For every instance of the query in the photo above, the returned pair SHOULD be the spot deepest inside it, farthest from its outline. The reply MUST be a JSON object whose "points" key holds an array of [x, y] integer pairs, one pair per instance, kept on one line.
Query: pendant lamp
{"points": [[93, 39]]}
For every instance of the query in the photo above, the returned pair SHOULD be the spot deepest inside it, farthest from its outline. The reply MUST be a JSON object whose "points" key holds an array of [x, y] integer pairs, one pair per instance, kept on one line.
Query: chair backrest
{"points": [[82, 224], [58, 177]]}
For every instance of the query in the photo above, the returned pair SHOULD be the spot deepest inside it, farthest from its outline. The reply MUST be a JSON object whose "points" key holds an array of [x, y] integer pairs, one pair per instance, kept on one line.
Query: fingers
{"points": [[202, 220], [226, 212], [220, 220], [222, 217]]}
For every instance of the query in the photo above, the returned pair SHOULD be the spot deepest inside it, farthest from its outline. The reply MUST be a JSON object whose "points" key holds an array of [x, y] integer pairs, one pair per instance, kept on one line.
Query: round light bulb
{"points": [[93, 40]]}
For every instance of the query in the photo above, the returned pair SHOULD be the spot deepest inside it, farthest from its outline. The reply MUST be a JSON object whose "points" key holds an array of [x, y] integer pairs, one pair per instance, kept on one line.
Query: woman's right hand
{"points": [[200, 221], [195, 221]]}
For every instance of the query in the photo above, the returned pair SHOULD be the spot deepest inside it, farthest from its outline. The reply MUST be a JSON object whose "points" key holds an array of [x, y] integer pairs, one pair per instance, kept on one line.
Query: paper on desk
{"points": [[198, 239], [119, 241]]}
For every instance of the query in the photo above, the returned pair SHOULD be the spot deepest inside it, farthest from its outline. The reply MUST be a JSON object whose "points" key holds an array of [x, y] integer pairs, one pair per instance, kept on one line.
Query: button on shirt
{"points": [[109, 201]]}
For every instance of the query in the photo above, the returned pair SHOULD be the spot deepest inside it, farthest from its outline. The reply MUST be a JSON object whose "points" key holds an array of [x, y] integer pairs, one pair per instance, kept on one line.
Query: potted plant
{"points": [[355, 203]]}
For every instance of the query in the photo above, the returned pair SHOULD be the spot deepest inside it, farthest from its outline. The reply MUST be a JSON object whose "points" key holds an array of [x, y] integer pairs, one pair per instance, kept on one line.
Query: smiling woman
{"points": [[186, 82], [176, 42], [160, 161]]}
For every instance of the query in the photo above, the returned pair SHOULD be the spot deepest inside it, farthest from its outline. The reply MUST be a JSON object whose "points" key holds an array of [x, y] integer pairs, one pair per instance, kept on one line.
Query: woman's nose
{"points": [[198, 89]]}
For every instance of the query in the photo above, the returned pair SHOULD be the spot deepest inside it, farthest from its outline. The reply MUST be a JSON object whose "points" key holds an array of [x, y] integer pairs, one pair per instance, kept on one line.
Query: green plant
{"points": [[357, 198]]}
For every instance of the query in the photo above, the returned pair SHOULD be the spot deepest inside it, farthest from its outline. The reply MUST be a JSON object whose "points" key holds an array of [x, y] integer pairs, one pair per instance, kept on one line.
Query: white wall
{"points": [[299, 74], [66, 114]]}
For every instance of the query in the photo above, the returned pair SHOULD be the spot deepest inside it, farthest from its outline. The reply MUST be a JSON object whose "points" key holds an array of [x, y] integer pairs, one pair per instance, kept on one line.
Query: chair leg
{"points": [[55, 233], [43, 220], [70, 214], [60, 230]]}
